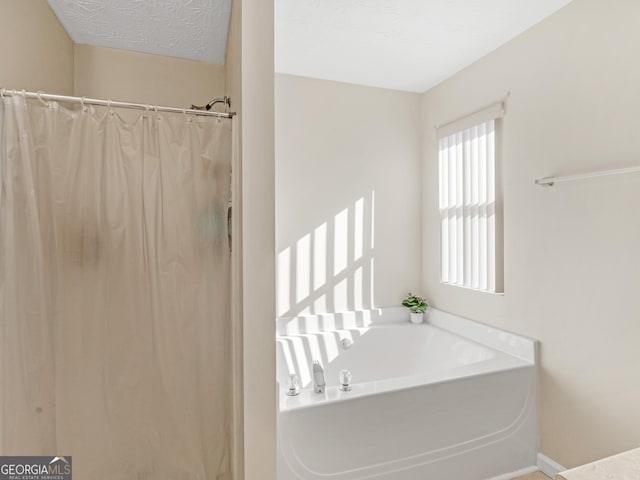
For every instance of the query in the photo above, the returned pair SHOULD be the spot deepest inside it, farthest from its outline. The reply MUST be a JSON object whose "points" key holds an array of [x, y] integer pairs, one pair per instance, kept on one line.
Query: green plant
{"points": [[415, 303]]}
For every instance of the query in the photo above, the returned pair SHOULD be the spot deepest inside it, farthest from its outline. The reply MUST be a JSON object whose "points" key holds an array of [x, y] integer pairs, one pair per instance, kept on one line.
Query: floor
{"points": [[533, 476]]}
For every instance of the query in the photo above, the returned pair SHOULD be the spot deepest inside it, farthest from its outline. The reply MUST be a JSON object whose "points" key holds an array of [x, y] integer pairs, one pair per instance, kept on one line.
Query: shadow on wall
{"points": [[330, 268]]}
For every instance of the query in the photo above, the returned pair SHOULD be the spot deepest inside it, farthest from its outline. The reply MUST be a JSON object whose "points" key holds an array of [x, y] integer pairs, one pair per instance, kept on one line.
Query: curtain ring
{"points": [[39, 94]]}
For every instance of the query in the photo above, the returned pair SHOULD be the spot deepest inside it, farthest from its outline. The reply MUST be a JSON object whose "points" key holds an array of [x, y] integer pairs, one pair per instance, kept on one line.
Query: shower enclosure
{"points": [[115, 325]]}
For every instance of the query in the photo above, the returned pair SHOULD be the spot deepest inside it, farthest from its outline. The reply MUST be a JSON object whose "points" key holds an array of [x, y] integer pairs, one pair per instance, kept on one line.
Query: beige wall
{"points": [[233, 60], [251, 73], [233, 87], [37, 53], [347, 196], [572, 251], [144, 78]]}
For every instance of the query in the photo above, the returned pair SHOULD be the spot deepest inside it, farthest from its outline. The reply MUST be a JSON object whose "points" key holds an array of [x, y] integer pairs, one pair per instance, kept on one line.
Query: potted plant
{"points": [[417, 306]]}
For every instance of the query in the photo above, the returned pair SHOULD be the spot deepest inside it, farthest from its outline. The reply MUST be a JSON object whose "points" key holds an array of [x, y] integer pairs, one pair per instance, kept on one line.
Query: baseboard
{"points": [[516, 474], [548, 466]]}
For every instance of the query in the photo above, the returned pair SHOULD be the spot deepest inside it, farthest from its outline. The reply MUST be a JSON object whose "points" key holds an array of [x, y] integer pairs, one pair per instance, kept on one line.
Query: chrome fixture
{"points": [[226, 100], [318, 377], [345, 380], [346, 343], [293, 385]]}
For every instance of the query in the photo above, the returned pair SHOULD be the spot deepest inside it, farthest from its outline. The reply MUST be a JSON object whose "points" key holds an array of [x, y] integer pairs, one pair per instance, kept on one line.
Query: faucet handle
{"points": [[345, 380], [293, 385]]}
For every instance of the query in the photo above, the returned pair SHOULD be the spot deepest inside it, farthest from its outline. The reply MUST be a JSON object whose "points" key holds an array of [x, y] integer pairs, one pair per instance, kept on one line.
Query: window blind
{"points": [[470, 211]]}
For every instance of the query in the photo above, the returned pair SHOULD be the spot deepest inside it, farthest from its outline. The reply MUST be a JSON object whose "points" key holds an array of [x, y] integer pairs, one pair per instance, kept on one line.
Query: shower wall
{"points": [[143, 78], [42, 56], [37, 53]]}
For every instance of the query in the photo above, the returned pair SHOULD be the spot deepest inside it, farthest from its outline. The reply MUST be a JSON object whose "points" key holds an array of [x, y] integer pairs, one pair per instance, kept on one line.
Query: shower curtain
{"points": [[114, 291]]}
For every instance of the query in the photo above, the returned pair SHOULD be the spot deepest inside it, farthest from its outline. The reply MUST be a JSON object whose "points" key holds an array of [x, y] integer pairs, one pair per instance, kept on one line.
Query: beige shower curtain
{"points": [[114, 291]]}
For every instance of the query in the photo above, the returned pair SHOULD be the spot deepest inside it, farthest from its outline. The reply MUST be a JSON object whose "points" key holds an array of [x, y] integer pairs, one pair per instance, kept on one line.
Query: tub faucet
{"points": [[318, 377]]}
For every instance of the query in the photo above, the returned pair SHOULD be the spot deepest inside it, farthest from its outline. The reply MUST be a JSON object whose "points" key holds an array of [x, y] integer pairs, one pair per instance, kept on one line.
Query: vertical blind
{"points": [[470, 217]]}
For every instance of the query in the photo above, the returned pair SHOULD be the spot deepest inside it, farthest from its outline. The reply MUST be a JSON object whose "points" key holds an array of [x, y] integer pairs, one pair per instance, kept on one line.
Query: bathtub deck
{"points": [[533, 476]]}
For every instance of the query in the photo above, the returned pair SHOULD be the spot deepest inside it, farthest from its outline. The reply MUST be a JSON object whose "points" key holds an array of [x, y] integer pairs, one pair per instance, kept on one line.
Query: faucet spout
{"points": [[318, 377]]}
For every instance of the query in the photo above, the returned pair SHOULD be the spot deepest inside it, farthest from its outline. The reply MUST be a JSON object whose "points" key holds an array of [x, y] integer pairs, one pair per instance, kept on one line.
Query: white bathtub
{"points": [[447, 400]]}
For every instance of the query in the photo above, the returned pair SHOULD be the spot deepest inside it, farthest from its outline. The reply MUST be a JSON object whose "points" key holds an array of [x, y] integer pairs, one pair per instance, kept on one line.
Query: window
{"points": [[470, 202]]}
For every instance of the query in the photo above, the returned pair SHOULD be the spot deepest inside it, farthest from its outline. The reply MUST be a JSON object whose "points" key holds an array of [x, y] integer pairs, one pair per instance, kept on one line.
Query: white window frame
{"points": [[470, 201]]}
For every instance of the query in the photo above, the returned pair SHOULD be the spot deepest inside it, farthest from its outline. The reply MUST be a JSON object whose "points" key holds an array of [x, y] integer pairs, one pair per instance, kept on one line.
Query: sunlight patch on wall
{"points": [[330, 267], [320, 305], [320, 256], [340, 293], [340, 241], [303, 268], [358, 227], [357, 289], [283, 280]]}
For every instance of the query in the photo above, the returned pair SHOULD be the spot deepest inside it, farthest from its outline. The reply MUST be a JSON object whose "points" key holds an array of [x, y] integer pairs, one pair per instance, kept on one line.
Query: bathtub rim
{"points": [[517, 351], [309, 399], [516, 345]]}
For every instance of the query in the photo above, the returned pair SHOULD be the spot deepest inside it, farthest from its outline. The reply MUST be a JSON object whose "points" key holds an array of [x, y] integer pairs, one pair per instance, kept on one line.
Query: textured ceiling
{"points": [[400, 44], [193, 29]]}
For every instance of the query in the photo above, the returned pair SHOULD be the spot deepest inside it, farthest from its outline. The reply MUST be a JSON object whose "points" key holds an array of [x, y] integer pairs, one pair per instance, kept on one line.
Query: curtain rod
{"points": [[111, 103], [499, 102], [549, 181]]}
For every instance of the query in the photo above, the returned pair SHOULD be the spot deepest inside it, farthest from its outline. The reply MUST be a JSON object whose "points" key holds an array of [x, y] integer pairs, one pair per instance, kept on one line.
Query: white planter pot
{"points": [[416, 317]]}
